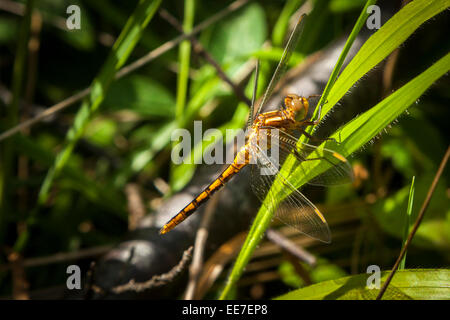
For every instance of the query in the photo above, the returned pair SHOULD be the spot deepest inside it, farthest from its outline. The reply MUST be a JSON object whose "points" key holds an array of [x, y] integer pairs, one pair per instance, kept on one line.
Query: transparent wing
{"points": [[289, 204], [281, 68], [255, 89], [338, 172]]}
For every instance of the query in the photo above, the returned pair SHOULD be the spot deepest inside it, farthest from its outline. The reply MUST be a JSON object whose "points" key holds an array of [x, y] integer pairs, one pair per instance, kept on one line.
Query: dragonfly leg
{"points": [[314, 122], [310, 137]]}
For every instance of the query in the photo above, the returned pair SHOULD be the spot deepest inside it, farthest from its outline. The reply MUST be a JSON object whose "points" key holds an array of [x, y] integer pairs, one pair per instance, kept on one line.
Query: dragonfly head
{"points": [[297, 104]]}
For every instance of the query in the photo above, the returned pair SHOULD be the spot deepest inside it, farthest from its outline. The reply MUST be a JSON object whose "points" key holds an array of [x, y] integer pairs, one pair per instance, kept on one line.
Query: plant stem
{"points": [[417, 223]]}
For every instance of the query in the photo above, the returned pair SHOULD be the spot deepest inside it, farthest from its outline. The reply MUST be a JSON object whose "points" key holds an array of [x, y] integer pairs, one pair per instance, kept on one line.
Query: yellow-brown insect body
{"points": [[296, 107], [241, 160], [295, 111]]}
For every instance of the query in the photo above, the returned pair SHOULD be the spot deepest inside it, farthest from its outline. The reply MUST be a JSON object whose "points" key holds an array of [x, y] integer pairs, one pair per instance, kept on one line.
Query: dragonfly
{"points": [[274, 130]]}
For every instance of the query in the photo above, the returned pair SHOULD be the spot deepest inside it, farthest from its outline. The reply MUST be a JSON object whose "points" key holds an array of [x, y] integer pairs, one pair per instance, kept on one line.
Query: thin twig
{"points": [[155, 281], [289, 246], [201, 51], [19, 279], [217, 262], [417, 223], [89, 281], [19, 9], [61, 257], [136, 208], [125, 70], [298, 267], [199, 248]]}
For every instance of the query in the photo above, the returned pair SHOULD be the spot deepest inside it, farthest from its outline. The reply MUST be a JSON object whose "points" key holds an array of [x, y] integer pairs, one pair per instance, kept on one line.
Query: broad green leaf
{"points": [[141, 95], [322, 272], [420, 284], [238, 36], [398, 152], [101, 131]]}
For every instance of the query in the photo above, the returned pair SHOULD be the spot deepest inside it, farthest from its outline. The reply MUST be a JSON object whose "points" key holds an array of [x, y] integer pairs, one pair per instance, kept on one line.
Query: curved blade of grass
{"points": [[390, 36], [184, 55], [352, 136], [120, 52], [408, 284], [282, 24], [407, 221], [348, 44], [254, 240]]}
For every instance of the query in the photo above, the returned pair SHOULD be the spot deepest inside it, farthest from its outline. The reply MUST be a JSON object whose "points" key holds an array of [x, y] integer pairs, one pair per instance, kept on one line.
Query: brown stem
{"points": [[417, 223]]}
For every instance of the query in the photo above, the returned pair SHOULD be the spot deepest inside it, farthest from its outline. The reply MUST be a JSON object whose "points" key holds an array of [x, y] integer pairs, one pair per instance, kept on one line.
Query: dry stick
{"points": [[298, 267], [417, 223], [217, 262], [200, 50], [155, 281], [19, 280], [125, 70], [199, 248], [136, 208], [289, 246], [19, 9], [61, 257]]}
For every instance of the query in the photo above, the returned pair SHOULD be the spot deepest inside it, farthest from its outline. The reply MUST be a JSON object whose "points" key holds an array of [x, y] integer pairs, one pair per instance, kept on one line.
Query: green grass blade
{"points": [[184, 58], [184, 55], [10, 116], [120, 52], [407, 221], [352, 137], [348, 44], [281, 26], [362, 129], [389, 37]]}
